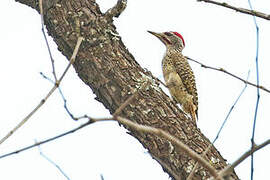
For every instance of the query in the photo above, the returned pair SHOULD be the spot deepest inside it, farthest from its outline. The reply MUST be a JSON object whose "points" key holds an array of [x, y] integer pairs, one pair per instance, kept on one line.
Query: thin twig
{"points": [[242, 10], [64, 99], [258, 91], [66, 107], [29, 115], [77, 118], [52, 138], [53, 163], [235, 102], [101, 177], [226, 72], [230, 168], [220, 129], [46, 40], [48, 95], [72, 59], [46, 77]]}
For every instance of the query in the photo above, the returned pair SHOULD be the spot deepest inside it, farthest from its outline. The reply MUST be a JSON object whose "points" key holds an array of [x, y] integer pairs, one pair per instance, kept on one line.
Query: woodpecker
{"points": [[178, 75]]}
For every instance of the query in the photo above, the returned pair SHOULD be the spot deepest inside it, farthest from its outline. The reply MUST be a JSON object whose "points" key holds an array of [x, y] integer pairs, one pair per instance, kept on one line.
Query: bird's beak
{"points": [[158, 35]]}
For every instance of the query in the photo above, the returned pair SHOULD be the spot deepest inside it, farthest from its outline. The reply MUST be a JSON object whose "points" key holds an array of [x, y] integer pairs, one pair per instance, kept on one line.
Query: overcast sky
{"points": [[214, 35]]}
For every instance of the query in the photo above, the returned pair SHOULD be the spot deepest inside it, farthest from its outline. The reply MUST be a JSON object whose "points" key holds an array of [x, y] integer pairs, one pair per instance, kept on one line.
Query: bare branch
{"points": [[233, 75], [72, 59], [242, 10], [158, 132], [138, 127], [75, 118], [178, 143], [79, 41], [230, 168], [52, 138], [63, 97], [101, 177], [45, 38], [210, 145], [53, 163], [116, 10], [258, 93]]}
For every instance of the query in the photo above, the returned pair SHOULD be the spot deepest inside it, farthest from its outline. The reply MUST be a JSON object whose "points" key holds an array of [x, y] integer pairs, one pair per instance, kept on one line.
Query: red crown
{"points": [[179, 35]]}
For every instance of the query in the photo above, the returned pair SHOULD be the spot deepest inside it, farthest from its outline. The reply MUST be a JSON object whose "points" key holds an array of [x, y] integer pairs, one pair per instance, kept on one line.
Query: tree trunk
{"points": [[106, 66]]}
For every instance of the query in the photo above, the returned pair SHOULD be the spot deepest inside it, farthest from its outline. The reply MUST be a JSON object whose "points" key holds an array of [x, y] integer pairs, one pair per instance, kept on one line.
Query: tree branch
{"points": [[137, 127], [230, 168], [174, 140], [242, 10], [231, 74], [107, 67], [53, 163], [56, 85], [45, 141]]}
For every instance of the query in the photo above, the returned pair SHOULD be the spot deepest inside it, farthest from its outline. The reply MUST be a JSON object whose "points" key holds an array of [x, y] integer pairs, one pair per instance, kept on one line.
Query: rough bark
{"points": [[105, 65]]}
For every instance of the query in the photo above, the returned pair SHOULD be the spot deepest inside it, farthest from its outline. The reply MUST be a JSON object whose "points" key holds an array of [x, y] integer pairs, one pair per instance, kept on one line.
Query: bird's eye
{"points": [[168, 34]]}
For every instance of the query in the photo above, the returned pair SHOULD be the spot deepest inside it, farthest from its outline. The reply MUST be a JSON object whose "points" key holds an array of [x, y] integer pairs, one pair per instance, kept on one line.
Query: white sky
{"points": [[214, 35]]}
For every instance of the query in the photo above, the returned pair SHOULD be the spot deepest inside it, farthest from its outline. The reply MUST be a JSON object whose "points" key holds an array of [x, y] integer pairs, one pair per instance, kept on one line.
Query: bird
{"points": [[178, 75]]}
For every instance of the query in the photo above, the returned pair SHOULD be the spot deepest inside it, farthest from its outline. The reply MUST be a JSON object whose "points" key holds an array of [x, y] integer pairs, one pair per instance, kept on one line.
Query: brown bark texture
{"points": [[105, 65]]}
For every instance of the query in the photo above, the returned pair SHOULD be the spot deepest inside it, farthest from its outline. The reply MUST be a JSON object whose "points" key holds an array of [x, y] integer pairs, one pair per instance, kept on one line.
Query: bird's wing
{"points": [[186, 74]]}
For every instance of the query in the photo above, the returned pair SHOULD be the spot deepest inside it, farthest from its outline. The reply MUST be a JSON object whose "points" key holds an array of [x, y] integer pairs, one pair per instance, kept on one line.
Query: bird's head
{"points": [[171, 39]]}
